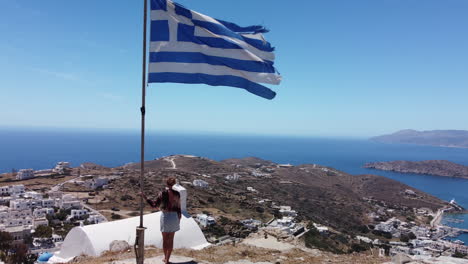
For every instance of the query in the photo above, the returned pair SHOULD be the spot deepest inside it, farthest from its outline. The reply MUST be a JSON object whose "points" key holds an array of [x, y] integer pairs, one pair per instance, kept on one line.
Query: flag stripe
{"points": [[239, 29], [228, 53], [158, 5], [223, 31], [198, 57], [204, 35], [214, 80], [204, 68]]}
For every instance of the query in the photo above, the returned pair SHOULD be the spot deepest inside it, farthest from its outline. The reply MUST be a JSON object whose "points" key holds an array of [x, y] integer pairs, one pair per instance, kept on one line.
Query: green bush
{"points": [[313, 239], [126, 197], [116, 216], [458, 255], [43, 231]]}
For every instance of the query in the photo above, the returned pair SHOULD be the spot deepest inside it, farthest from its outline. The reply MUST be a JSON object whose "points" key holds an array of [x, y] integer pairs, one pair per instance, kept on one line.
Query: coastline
{"points": [[435, 222]]}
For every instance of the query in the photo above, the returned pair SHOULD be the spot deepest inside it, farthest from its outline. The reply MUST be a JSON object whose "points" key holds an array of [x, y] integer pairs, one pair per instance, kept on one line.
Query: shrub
{"points": [[5, 241], [116, 216], [126, 197], [404, 238], [458, 254], [43, 231], [359, 247]]}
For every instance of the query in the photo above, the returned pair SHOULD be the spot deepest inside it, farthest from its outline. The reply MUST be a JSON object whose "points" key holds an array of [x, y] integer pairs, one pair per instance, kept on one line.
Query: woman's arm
{"points": [[179, 213], [154, 203]]}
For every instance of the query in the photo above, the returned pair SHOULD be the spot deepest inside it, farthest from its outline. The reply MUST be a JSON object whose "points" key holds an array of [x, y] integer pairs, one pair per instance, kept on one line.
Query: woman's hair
{"points": [[170, 181]]}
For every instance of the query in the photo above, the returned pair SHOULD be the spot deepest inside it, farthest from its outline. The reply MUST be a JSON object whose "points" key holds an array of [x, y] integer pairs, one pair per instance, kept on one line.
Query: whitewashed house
{"points": [[69, 201], [18, 232], [205, 220], [200, 183], [26, 221], [15, 190], [61, 167], [40, 221], [42, 212], [287, 211], [234, 177], [78, 213], [32, 195], [251, 189], [25, 174], [20, 213], [20, 204], [48, 203], [4, 190], [95, 219], [96, 183]]}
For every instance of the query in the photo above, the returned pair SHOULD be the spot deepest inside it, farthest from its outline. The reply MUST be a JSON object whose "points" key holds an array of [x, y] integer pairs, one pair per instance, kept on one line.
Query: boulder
{"points": [[400, 258], [119, 246]]}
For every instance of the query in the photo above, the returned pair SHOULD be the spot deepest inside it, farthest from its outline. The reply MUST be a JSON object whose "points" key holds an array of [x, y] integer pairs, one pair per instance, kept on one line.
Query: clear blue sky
{"points": [[350, 68]]}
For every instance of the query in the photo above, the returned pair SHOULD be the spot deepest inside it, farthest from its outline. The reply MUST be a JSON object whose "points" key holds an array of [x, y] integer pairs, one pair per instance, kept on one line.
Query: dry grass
{"points": [[35, 183]]}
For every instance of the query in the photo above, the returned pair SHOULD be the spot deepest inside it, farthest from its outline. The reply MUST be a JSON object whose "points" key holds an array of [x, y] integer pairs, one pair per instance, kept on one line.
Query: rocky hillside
{"points": [[431, 167], [441, 138], [320, 194]]}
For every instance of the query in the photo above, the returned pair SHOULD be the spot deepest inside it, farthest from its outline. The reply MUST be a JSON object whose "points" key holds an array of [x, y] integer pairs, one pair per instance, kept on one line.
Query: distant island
{"points": [[431, 167], [440, 138]]}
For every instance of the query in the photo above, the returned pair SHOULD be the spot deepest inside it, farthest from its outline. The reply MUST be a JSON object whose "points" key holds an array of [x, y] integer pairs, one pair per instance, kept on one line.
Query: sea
{"points": [[41, 149]]}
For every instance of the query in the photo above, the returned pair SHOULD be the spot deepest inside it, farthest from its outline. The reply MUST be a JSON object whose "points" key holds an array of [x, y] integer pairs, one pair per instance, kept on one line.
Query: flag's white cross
{"points": [[173, 20]]}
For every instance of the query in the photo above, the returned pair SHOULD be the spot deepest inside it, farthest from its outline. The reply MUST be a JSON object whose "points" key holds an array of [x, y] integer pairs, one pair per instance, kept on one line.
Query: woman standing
{"points": [[168, 201]]}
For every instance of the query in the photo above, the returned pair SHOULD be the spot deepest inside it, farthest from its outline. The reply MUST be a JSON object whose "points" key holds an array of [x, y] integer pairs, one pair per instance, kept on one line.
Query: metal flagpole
{"points": [[140, 230]]}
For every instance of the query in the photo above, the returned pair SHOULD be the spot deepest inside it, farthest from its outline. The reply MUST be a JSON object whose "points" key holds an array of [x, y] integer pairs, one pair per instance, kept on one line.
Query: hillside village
{"points": [[235, 201]]}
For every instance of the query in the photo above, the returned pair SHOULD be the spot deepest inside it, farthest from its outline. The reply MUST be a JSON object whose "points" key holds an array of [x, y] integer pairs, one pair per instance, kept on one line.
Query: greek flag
{"points": [[189, 47]]}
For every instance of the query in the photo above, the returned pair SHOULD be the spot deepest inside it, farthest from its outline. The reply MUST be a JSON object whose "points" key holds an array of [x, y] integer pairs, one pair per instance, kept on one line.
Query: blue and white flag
{"points": [[189, 47]]}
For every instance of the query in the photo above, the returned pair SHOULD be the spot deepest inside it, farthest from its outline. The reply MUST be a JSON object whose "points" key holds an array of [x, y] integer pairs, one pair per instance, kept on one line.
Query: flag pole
{"points": [[140, 230]]}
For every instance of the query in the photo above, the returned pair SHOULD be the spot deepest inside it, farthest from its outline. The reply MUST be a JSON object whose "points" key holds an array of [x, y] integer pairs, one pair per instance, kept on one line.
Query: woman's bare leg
{"points": [[165, 246], [170, 245]]}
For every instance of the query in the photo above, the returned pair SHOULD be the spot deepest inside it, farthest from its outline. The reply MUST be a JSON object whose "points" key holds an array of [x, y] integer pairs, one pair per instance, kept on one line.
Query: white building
{"points": [[57, 238], [96, 183], [42, 212], [32, 195], [18, 232], [200, 183], [40, 221], [234, 177], [25, 174], [61, 167], [205, 220], [48, 203], [26, 221], [251, 223], [4, 190], [20, 213], [251, 189], [69, 201], [16, 190], [20, 204], [287, 211], [78, 213], [95, 219]]}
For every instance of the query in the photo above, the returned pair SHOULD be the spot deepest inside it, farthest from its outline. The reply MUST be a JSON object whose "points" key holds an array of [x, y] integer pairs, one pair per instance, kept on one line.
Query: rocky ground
{"points": [[239, 254]]}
